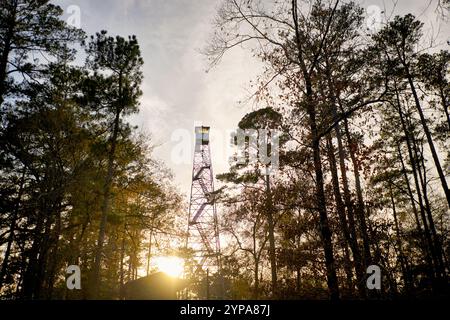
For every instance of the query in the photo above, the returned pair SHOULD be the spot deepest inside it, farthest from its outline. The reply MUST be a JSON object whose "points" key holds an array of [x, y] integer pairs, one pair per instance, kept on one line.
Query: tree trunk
{"points": [[121, 270], [38, 253], [321, 206], [429, 138], [360, 207], [105, 206], [440, 268], [29, 279], [6, 51], [325, 231], [271, 231], [353, 240], [359, 267], [429, 256], [12, 230], [445, 106], [43, 256], [149, 254], [341, 212], [401, 257], [54, 259], [256, 275], [410, 193]]}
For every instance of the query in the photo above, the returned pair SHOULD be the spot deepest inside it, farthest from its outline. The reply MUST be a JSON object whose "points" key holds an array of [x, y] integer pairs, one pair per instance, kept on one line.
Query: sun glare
{"points": [[172, 266]]}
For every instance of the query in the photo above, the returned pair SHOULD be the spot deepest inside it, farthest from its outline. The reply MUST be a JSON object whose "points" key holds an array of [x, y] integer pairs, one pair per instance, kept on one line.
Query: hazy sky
{"points": [[178, 93]]}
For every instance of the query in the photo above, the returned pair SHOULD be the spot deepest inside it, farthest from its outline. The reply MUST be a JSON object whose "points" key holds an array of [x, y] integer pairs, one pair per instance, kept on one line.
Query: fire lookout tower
{"points": [[203, 229]]}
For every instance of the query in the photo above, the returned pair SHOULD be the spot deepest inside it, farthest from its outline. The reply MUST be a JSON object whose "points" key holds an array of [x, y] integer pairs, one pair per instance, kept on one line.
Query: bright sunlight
{"points": [[172, 266]]}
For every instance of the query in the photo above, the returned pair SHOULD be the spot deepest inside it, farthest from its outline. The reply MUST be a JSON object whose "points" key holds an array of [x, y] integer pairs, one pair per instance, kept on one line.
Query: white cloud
{"points": [[177, 91]]}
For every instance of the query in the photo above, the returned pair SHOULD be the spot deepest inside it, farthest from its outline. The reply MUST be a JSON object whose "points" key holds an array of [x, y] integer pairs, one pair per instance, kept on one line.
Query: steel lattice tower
{"points": [[203, 229]]}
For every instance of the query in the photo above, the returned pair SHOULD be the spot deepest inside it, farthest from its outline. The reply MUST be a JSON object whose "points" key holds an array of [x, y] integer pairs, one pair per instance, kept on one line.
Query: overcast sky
{"points": [[177, 92]]}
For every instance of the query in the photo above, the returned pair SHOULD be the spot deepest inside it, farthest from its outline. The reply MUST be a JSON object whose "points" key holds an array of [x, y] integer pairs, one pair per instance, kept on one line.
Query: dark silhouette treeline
{"points": [[364, 159], [78, 184]]}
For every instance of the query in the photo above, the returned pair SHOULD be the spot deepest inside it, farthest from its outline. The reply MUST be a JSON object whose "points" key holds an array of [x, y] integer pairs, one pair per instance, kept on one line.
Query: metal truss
{"points": [[203, 229]]}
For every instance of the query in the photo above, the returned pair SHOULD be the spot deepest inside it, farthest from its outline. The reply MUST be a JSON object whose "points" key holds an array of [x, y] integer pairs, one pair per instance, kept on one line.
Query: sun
{"points": [[172, 266]]}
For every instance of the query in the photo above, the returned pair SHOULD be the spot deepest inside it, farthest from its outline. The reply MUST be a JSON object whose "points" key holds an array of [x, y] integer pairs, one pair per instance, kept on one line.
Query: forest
{"points": [[362, 179]]}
